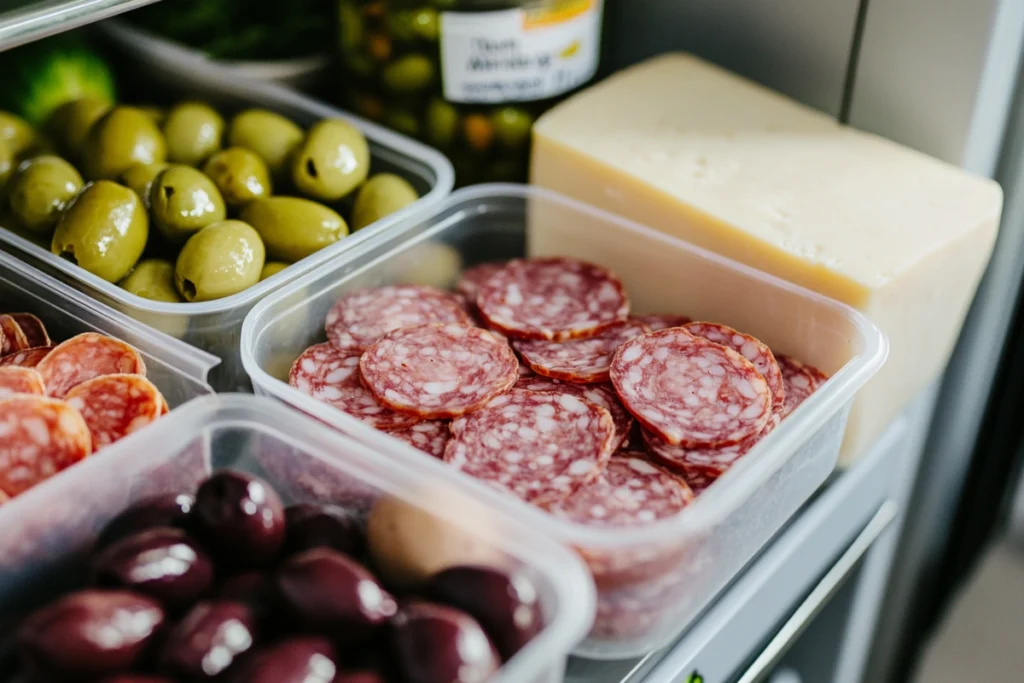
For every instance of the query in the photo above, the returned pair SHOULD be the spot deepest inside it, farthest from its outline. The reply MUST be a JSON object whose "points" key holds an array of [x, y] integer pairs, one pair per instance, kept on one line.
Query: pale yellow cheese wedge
{"points": [[690, 149]]}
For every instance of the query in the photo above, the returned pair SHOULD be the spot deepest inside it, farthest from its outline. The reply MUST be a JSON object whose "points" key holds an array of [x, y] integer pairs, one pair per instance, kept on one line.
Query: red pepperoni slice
{"points": [[469, 284], [541, 446], [13, 337], [34, 329], [690, 391], [601, 394], [364, 316], [27, 358], [430, 436], [114, 406], [708, 461], [750, 348], [86, 356], [15, 379], [39, 437], [584, 361], [438, 371], [332, 376], [552, 298], [660, 321], [800, 381]]}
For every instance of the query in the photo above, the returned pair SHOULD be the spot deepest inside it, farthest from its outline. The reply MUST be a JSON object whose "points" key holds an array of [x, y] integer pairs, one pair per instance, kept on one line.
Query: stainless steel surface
{"points": [[35, 20]]}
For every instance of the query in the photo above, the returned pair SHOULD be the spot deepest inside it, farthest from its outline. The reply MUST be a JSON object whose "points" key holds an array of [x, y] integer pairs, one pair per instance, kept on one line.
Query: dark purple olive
{"points": [[209, 639], [316, 526], [89, 634], [296, 660], [240, 517], [359, 677], [256, 589], [169, 509], [136, 678], [440, 644], [162, 563], [506, 605], [323, 589]]}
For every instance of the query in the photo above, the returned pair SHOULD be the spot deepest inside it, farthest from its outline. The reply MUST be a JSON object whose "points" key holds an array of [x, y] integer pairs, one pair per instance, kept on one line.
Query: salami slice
{"points": [[33, 328], [86, 356], [39, 437], [114, 406], [438, 371], [584, 361], [631, 491], [690, 391], [800, 381], [362, 317], [471, 279], [332, 376], [660, 321], [15, 379], [430, 436], [601, 394], [13, 337], [551, 298], [750, 348], [27, 358], [698, 481], [708, 461], [541, 446]]}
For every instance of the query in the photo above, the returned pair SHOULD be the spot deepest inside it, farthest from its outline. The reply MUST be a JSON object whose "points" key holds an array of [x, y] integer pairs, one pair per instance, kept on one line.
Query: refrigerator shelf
{"points": [[22, 22]]}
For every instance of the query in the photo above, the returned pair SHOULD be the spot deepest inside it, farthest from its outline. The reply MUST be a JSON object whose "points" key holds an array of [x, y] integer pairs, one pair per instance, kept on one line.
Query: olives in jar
{"points": [[331, 161], [240, 517], [183, 201], [193, 131], [220, 260], [69, 125], [381, 195], [240, 174], [121, 138], [440, 644], [293, 228], [39, 191], [271, 136], [208, 640], [162, 510]]}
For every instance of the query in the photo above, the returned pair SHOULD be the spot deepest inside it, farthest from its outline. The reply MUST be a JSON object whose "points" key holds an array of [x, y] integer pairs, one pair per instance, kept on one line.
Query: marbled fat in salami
{"points": [[750, 348], [698, 481], [660, 321], [114, 406], [26, 358], [584, 361], [551, 298], [13, 337], [430, 436], [39, 437], [690, 391], [709, 461], [15, 379], [541, 446], [471, 279], [800, 381], [33, 328], [601, 394], [332, 376], [438, 371], [86, 356]]}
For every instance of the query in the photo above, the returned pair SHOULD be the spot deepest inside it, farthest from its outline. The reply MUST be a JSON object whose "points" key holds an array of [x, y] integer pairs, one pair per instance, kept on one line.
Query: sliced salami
{"points": [[709, 461], [15, 379], [430, 436], [551, 298], [631, 491], [601, 394], [750, 348], [541, 446], [114, 406], [39, 437], [800, 381], [698, 481], [332, 376], [26, 358], [661, 321], [86, 356], [438, 371], [690, 391], [33, 328], [584, 361], [13, 337], [362, 317], [471, 279]]}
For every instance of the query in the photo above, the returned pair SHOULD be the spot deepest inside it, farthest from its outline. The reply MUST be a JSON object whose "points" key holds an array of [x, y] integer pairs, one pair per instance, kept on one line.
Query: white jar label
{"points": [[520, 55]]}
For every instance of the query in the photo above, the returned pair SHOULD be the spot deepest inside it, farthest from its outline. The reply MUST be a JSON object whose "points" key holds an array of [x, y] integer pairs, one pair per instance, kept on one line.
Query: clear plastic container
{"points": [[215, 325], [49, 528], [675, 566]]}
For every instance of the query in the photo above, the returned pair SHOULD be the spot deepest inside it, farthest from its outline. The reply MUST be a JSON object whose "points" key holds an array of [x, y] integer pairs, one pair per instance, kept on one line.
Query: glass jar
{"points": [[468, 77]]}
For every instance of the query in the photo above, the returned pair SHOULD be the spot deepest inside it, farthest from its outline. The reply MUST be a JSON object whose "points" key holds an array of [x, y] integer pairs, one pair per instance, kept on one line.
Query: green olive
{"points": [[239, 174], [16, 132], [183, 201], [158, 114], [293, 228], [104, 230], [414, 24], [152, 279], [380, 196], [350, 27], [358, 64], [8, 161], [442, 123], [140, 178], [272, 268], [220, 260], [69, 125], [333, 160], [121, 138], [409, 74], [193, 131], [270, 135], [512, 127], [39, 191], [404, 122]]}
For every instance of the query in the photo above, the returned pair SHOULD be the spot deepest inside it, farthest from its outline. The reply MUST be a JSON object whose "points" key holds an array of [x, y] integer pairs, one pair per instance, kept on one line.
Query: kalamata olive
{"points": [[162, 563], [296, 660], [209, 639], [89, 634], [240, 517], [136, 678], [506, 605], [169, 509], [326, 590], [314, 526], [359, 677], [255, 589], [440, 644]]}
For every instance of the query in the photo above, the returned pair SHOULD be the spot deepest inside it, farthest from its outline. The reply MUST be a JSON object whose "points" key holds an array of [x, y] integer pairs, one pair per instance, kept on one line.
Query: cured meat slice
{"points": [[631, 491], [438, 371], [661, 321], [690, 391], [471, 279], [114, 406], [800, 381], [430, 436], [39, 437], [698, 481], [601, 394], [708, 461], [332, 376], [86, 356], [33, 328], [750, 348], [13, 337], [539, 445], [27, 358], [551, 298], [15, 379], [362, 317], [584, 361]]}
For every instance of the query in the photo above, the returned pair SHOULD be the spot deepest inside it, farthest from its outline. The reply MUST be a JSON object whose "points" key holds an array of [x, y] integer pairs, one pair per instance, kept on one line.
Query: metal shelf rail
{"points": [[25, 22]]}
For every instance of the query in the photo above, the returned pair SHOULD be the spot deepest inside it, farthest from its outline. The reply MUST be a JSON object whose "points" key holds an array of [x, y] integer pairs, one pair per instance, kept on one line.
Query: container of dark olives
{"points": [[254, 544]]}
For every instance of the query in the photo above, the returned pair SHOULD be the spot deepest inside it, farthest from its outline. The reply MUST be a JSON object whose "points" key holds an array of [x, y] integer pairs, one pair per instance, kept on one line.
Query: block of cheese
{"points": [[690, 149]]}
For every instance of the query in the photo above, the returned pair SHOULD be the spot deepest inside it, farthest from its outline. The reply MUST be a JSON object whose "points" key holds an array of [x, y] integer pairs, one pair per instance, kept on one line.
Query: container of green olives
{"points": [[196, 195]]}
